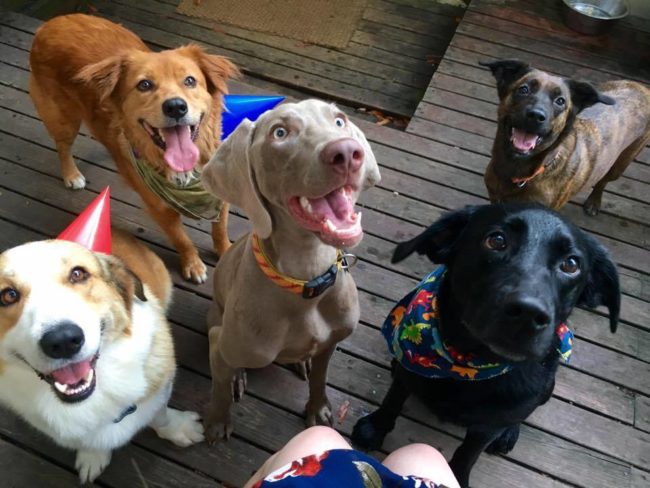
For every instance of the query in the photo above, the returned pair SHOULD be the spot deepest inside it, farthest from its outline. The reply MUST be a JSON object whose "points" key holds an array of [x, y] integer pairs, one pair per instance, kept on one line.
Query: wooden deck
{"points": [[593, 433]]}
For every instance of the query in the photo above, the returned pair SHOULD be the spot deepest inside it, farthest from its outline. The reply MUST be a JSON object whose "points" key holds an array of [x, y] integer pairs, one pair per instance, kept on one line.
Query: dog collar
{"points": [[413, 336], [521, 182], [307, 289], [191, 200], [125, 413]]}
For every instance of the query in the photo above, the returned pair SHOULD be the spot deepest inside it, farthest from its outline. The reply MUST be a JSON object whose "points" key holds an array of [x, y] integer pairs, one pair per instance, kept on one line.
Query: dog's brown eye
{"points": [[9, 296], [560, 101], [190, 82], [496, 241], [523, 90], [570, 265], [145, 85], [78, 275]]}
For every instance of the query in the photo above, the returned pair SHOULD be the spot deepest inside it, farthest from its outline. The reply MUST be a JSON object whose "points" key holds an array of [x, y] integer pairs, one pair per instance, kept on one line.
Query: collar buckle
{"points": [[318, 285]]}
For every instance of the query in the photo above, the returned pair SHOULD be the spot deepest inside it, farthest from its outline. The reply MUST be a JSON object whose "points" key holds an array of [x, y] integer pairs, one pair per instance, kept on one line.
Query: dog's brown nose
{"points": [[63, 341], [175, 108], [343, 155]]}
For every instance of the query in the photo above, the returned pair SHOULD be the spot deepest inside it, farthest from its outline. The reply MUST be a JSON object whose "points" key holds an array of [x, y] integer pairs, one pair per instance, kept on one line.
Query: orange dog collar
{"points": [[307, 289]]}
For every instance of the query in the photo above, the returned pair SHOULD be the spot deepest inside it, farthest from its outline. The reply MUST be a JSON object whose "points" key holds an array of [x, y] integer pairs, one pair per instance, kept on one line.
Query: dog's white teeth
{"points": [[330, 225], [304, 203], [62, 388], [89, 377]]}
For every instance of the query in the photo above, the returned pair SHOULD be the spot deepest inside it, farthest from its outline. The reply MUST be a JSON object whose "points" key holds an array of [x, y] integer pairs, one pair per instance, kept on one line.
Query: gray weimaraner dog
{"points": [[282, 293]]}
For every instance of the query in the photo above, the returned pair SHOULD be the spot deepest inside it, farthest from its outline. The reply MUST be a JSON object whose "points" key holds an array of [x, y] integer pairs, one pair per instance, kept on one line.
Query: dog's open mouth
{"points": [[74, 382], [331, 215], [524, 142], [177, 142]]}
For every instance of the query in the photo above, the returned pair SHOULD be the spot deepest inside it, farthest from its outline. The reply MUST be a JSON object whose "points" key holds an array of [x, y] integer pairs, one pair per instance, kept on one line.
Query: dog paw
{"points": [[76, 181], [90, 463], [505, 442], [194, 270], [319, 414], [183, 428], [366, 435], [591, 208], [217, 425]]}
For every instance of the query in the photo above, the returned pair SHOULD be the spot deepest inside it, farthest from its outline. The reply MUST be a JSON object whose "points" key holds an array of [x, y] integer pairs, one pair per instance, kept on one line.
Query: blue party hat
{"points": [[240, 107]]}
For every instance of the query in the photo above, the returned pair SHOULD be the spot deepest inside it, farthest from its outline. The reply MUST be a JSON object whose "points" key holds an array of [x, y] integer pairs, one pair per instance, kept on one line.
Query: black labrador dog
{"points": [[513, 273]]}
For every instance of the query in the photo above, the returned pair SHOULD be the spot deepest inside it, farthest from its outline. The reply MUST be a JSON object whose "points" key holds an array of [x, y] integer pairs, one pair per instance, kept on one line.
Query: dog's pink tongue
{"points": [[336, 207], [181, 153], [523, 141], [72, 373]]}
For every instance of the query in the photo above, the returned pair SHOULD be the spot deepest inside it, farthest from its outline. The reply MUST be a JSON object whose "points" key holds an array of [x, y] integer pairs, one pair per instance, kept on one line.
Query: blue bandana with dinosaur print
{"points": [[411, 331]]}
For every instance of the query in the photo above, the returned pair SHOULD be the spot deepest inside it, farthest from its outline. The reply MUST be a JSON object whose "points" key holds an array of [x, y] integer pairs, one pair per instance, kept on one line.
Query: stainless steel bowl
{"points": [[593, 16]]}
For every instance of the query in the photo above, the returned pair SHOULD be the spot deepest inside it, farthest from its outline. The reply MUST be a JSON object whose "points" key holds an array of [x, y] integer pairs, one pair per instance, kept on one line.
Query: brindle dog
{"points": [[557, 136]]}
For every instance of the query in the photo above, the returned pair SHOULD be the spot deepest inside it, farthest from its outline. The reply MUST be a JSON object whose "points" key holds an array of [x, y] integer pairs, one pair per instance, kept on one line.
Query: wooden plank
{"points": [[22, 468], [369, 67], [642, 413], [509, 34]]}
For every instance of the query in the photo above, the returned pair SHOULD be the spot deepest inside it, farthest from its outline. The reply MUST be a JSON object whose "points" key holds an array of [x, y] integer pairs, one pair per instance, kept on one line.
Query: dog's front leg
{"points": [[318, 409], [369, 432], [218, 422], [90, 463], [477, 438], [220, 240]]}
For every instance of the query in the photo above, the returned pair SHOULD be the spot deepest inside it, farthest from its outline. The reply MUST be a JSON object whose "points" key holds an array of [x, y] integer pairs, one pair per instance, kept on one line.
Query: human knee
{"points": [[320, 436]]}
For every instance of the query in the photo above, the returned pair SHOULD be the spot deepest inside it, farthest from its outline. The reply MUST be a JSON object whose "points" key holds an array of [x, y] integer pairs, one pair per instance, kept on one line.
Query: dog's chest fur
{"points": [[121, 382]]}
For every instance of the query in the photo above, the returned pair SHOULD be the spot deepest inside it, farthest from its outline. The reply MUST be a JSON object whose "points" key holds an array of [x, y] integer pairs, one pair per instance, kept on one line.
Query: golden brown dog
{"points": [[160, 109], [557, 137]]}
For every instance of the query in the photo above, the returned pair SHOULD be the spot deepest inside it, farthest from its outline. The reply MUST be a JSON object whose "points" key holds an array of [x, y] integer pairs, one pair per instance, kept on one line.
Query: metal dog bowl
{"points": [[593, 16]]}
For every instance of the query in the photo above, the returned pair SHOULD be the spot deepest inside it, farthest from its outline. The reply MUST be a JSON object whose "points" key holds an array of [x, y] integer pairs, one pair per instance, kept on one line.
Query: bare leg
{"points": [[311, 441], [423, 461]]}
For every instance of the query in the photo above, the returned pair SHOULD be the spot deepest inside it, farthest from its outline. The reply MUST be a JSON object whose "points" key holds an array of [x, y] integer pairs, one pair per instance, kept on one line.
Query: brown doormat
{"points": [[324, 22]]}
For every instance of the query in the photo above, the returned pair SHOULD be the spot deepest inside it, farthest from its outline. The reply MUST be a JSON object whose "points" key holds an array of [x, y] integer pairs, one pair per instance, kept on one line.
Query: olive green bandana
{"points": [[191, 200]]}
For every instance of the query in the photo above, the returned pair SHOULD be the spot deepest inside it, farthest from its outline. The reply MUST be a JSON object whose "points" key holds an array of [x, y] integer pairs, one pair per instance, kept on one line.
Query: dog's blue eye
{"points": [[496, 241], [145, 85], [9, 296], [78, 275], [570, 265], [280, 132], [339, 121], [190, 82], [560, 101], [523, 90]]}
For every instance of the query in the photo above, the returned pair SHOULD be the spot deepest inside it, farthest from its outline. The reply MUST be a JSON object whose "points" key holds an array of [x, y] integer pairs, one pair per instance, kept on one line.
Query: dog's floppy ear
{"points": [[584, 95], [438, 240], [229, 175], [216, 69], [104, 75], [506, 71], [602, 287], [125, 281]]}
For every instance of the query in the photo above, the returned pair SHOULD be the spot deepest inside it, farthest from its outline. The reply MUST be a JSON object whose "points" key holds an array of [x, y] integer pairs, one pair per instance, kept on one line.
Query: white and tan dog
{"points": [[86, 354]]}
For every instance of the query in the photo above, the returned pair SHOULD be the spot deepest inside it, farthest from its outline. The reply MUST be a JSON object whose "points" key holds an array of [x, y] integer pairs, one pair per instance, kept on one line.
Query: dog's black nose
{"points": [[536, 114], [175, 108], [527, 310], [62, 341]]}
